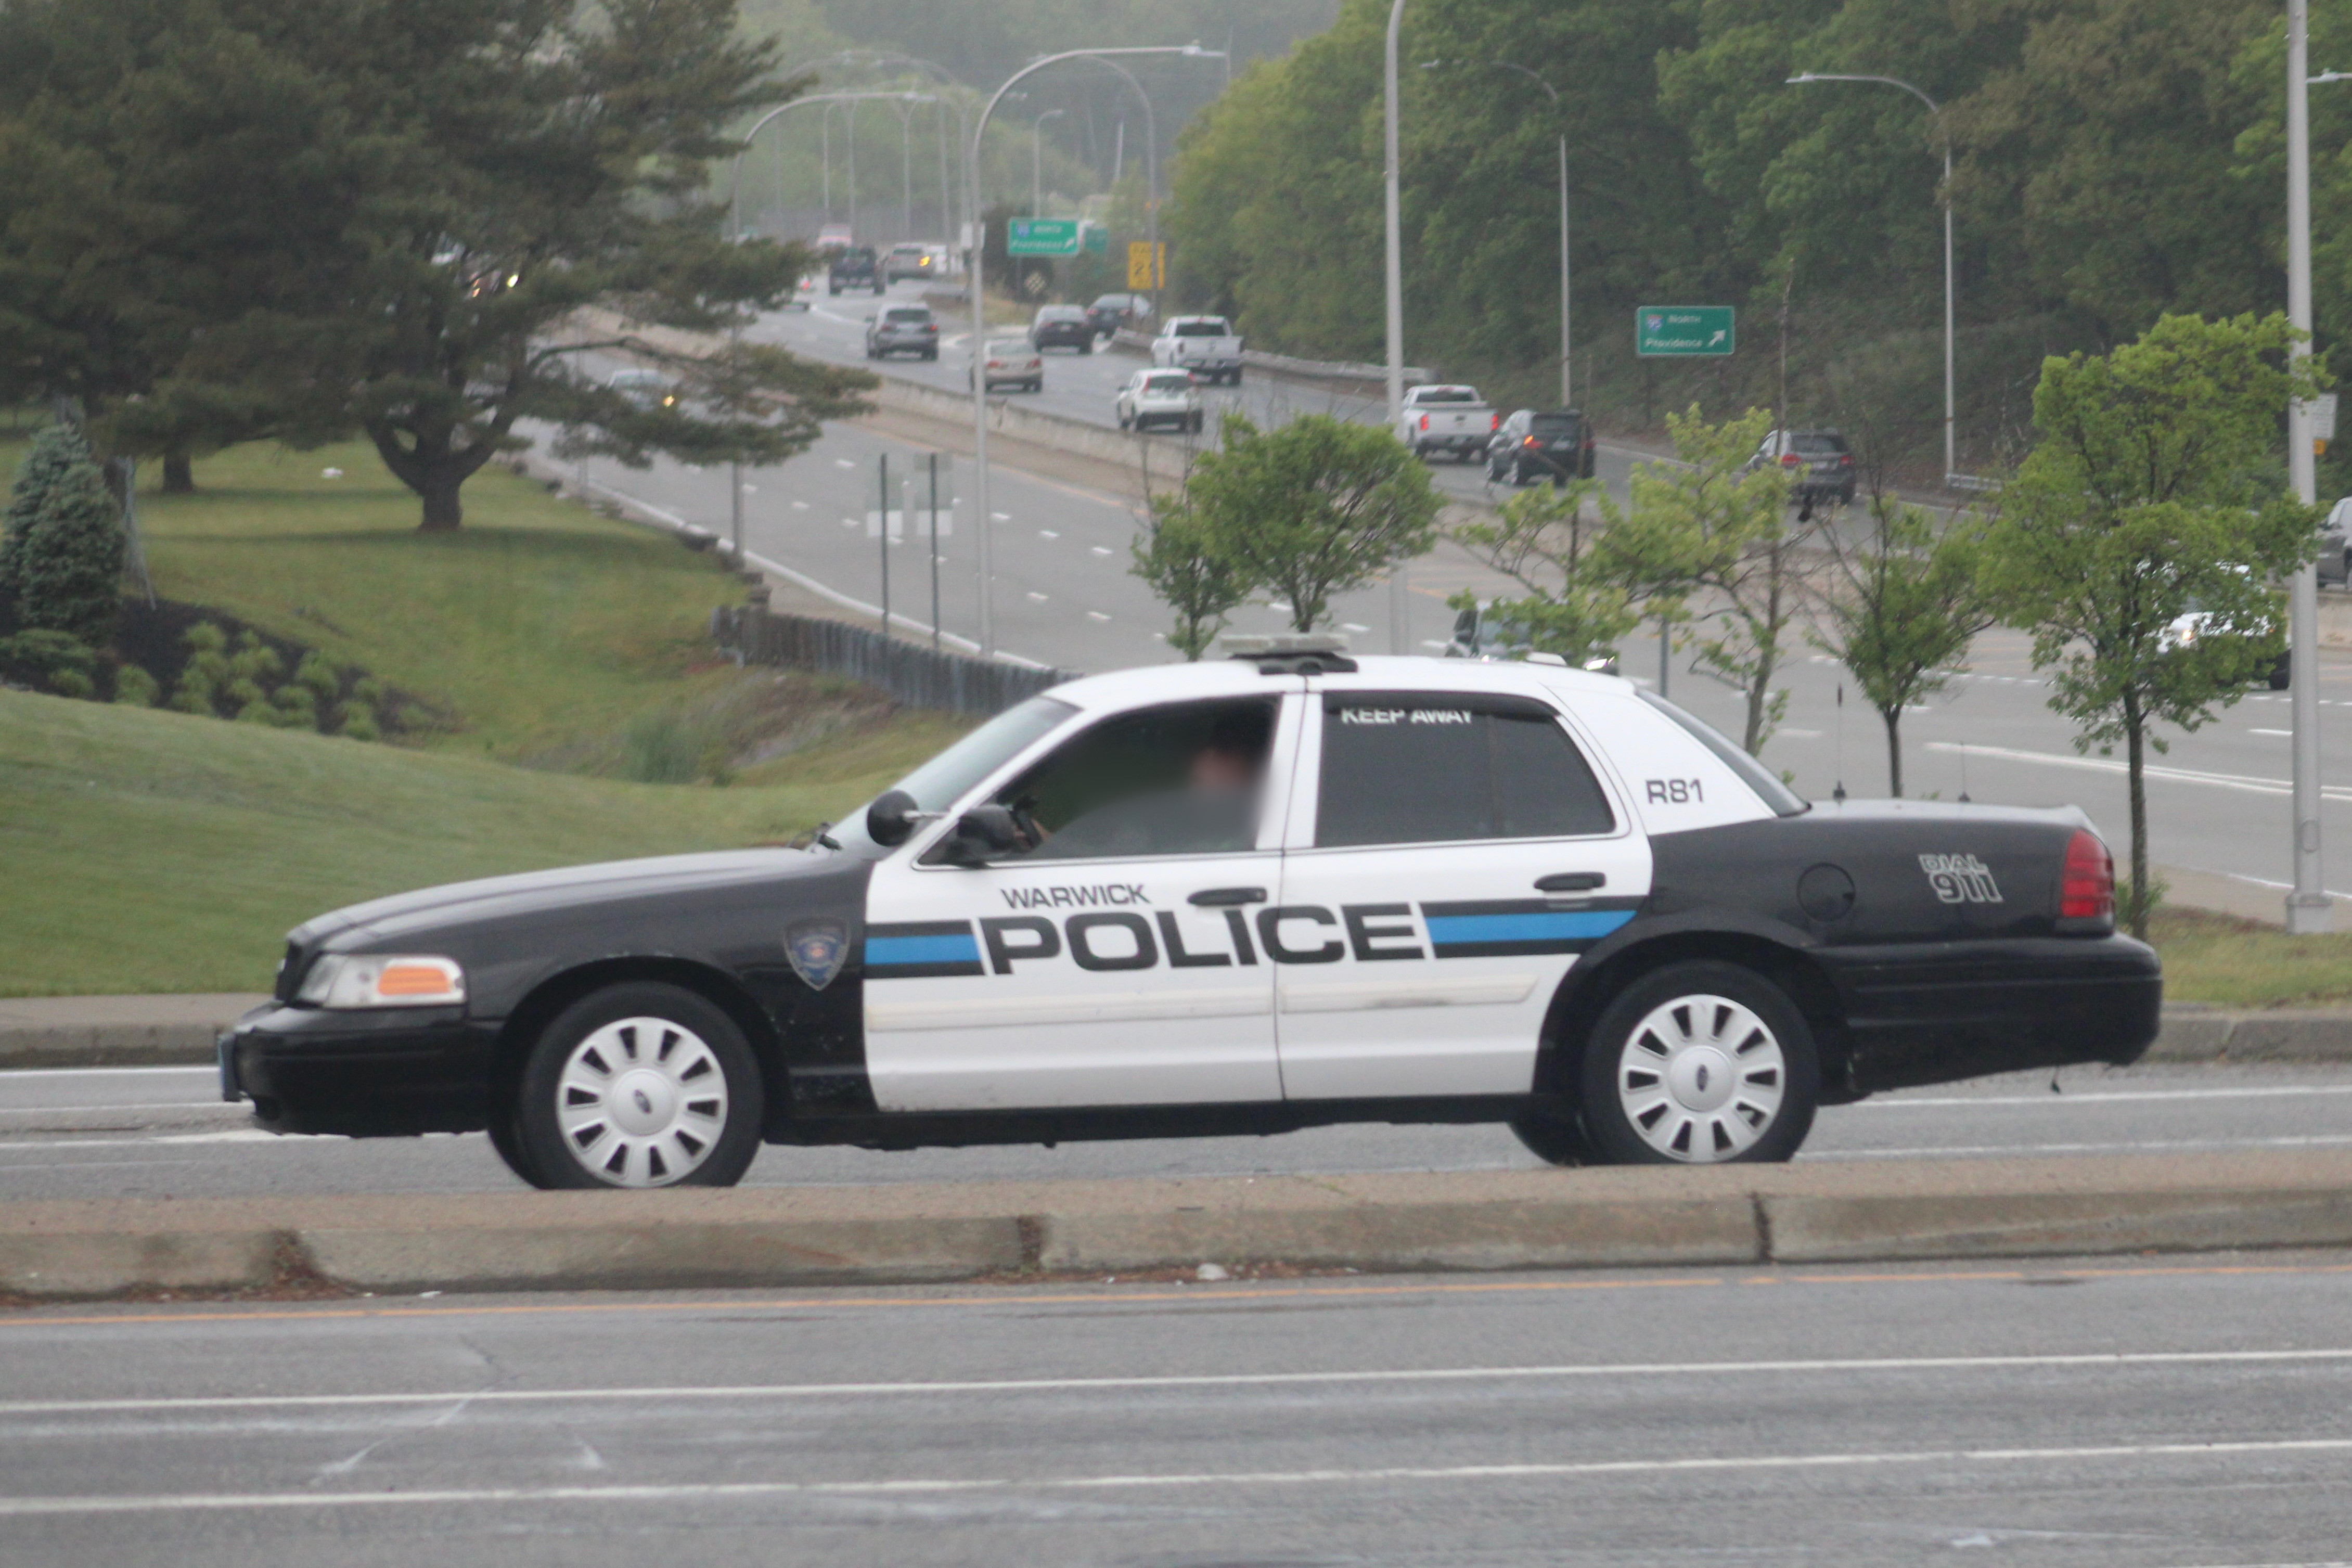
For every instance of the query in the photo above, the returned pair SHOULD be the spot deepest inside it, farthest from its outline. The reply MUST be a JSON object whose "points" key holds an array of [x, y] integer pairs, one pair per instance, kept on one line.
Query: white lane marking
{"points": [[689, 1491], [14, 1074], [2286, 733], [1352, 626], [1102, 549], [2095, 1359], [1047, 533], [843, 463], [1096, 615], [112, 1105], [2098, 1096], [2152, 1146], [2248, 782], [800, 505], [1002, 516], [238, 1135], [1035, 597], [846, 523], [1799, 734]]}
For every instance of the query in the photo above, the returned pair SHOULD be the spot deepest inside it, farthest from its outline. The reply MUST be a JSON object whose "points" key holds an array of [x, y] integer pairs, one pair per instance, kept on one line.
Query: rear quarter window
{"points": [[1674, 778]]}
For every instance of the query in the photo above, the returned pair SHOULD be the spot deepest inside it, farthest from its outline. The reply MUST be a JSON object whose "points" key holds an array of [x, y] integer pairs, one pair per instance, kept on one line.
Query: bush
{"points": [[321, 676], [258, 711], [49, 661], [205, 637], [134, 688], [297, 708], [64, 547], [255, 661], [192, 697], [359, 724], [243, 693]]}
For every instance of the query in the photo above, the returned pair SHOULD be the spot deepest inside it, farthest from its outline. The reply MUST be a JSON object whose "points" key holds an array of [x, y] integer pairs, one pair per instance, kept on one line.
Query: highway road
{"points": [[165, 1133], [2142, 1414]]}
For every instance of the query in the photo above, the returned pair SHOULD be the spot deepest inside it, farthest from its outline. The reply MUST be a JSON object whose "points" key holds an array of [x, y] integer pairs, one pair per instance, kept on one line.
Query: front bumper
{"points": [[383, 1073], [1935, 1012]]}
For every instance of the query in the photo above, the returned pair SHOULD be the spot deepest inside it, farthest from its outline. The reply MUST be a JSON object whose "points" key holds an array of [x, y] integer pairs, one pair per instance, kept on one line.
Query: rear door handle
{"points": [[1215, 898], [1571, 882]]}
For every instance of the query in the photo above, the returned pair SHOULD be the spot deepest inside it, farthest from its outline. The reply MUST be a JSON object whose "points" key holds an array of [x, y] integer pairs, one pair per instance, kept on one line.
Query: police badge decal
{"points": [[817, 949]]}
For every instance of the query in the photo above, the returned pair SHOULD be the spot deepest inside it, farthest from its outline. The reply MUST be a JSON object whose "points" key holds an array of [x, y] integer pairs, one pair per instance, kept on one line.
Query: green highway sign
{"points": [[1672, 331], [1042, 236]]}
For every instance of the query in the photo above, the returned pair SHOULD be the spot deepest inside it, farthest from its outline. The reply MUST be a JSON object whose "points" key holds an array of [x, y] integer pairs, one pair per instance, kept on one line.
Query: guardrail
{"points": [[917, 675]]}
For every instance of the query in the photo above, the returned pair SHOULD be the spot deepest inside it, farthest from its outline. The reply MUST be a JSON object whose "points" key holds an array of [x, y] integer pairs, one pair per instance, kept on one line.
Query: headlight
{"points": [[342, 981]]}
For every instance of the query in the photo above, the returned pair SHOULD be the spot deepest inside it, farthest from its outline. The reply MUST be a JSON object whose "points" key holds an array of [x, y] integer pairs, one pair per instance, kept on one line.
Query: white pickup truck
{"points": [[1205, 345], [1452, 419]]}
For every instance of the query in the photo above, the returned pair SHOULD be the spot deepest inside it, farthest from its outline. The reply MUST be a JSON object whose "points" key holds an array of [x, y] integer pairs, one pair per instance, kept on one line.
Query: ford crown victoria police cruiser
{"points": [[1231, 897]]}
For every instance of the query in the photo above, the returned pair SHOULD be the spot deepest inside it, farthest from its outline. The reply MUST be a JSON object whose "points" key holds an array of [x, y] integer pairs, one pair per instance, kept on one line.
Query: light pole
{"points": [[1392, 239], [1037, 162], [1951, 457], [1567, 378], [2307, 908], [979, 307]]}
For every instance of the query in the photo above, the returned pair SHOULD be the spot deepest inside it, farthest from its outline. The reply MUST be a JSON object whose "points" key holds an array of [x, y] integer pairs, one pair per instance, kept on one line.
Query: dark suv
{"points": [[903, 329], [1062, 326], [854, 268], [1818, 462], [1112, 311], [1541, 443]]}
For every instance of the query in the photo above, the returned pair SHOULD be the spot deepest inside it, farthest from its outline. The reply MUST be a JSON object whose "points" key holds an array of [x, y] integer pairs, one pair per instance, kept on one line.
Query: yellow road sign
{"points": [[1138, 265]]}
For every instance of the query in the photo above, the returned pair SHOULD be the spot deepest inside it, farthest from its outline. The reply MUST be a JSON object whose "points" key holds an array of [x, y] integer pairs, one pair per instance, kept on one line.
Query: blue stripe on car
{"points": [[890, 951], [1547, 926]]}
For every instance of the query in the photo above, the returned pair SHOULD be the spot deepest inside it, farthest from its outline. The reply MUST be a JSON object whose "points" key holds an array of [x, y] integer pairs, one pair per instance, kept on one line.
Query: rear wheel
{"points": [[639, 1085], [1699, 1063]]}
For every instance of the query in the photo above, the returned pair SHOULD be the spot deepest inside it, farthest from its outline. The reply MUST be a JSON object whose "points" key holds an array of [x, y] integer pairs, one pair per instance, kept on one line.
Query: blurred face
{"points": [[1220, 769]]}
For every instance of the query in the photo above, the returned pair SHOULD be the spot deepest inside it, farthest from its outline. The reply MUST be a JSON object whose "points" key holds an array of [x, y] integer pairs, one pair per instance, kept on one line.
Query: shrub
{"points": [[50, 661], [321, 676], [297, 708], [64, 549], [54, 451], [258, 711], [134, 688], [243, 693], [255, 661], [205, 637], [190, 695], [359, 724]]}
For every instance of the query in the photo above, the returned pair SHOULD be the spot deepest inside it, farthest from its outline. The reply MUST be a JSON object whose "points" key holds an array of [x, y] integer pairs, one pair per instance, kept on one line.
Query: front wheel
{"points": [[1699, 1063], [639, 1085]]}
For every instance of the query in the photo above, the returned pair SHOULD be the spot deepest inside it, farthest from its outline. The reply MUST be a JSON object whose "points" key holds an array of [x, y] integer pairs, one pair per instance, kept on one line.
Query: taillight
{"points": [[1493, 423], [1845, 460], [1425, 421], [1531, 441], [2086, 887], [1790, 459], [930, 326]]}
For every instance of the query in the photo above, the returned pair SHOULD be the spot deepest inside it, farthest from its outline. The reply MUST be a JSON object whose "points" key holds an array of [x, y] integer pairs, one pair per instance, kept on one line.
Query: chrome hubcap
{"points": [[1701, 1079], [642, 1102]]}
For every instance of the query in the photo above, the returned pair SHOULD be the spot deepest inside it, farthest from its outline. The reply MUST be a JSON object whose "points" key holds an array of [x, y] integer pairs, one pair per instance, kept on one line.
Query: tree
{"points": [[1544, 540], [61, 566], [1709, 522], [1901, 610], [1180, 558], [1317, 507], [2152, 495]]}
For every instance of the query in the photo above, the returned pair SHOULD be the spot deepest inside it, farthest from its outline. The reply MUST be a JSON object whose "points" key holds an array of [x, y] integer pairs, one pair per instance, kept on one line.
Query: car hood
{"points": [[566, 889]]}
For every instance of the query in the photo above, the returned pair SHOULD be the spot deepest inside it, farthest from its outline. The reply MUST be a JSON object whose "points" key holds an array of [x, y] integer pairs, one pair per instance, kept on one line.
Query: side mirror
{"points": [[983, 834], [893, 818]]}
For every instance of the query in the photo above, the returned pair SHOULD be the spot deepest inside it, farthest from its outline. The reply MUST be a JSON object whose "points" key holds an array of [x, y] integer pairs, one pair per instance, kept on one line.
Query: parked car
{"points": [[2335, 544], [803, 293], [1540, 444], [1168, 398], [903, 329], [1010, 361], [1451, 419], [1109, 312], [1403, 890], [1205, 345], [1818, 464], [646, 388], [1061, 326], [1481, 633], [909, 260], [854, 268], [2197, 624]]}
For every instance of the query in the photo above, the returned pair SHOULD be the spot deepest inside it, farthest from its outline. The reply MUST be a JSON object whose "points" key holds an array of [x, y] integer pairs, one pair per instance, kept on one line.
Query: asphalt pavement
{"points": [[165, 1133], [2144, 1414]]}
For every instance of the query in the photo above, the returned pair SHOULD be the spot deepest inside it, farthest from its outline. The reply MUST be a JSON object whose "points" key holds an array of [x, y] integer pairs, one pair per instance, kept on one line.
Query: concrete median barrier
{"points": [[1829, 1213]]}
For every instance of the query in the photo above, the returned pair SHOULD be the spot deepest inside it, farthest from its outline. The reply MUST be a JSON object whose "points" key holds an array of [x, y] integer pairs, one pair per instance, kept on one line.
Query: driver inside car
{"points": [[1183, 780]]}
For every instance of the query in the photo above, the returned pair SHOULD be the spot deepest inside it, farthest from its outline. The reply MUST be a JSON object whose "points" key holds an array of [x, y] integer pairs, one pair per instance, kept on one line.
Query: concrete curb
{"points": [[167, 1031], [770, 1238]]}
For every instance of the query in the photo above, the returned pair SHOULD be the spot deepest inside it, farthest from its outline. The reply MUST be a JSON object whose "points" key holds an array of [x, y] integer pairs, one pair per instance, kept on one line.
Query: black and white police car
{"points": [[1239, 896]]}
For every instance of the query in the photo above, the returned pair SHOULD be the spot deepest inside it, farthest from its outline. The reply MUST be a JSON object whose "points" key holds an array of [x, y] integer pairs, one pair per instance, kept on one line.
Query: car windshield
{"points": [[1205, 327], [1168, 383], [1448, 394], [1784, 801], [956, 771]]}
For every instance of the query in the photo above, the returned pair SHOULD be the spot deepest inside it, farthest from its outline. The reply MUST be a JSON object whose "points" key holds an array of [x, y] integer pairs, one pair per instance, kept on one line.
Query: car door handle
{"points": [[1217, 898], [1571, 882]]}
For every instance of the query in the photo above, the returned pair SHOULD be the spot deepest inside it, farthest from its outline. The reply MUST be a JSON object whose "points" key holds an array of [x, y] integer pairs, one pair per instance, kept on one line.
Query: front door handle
{"points": [[1227, 898], [1571, 882]]}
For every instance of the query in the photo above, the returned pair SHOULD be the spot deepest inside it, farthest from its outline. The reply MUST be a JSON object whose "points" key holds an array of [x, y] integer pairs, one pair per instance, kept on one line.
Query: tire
{"points": [[1701, 1062], [507, 1139], [1125, 424], [1196, 422], [2279, 676], [678, 1069], [932, 354], [1233, 379], [1557, 1138]]}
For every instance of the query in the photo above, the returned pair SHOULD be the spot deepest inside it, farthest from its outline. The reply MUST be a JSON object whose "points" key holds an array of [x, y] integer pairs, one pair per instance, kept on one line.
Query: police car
{"points": [[1240, 896]]}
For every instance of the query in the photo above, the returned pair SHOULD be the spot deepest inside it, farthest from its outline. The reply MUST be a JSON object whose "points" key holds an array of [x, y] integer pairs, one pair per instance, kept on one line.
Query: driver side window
{"points": [[1187, 778]]}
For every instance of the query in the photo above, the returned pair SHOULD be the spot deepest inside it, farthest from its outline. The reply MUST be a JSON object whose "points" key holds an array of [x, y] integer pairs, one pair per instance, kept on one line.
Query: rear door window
{"points": [[1443, 767]]}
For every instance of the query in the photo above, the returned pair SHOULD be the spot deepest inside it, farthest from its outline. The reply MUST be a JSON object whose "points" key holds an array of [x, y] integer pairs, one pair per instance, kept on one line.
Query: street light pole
{"points": [[1951, 451], [987, 524], [2307, 908], [1037, 162], [1392, 239]]}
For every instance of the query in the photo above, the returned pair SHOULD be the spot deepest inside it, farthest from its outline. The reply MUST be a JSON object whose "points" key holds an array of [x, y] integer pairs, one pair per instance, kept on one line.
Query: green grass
{"points": [[2234, 963], [146, 850], [536, 623], [153, 851]]}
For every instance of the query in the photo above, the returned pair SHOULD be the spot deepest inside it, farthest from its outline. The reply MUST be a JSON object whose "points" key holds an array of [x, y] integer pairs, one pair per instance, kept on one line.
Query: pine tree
{"points": [[63, 557]]}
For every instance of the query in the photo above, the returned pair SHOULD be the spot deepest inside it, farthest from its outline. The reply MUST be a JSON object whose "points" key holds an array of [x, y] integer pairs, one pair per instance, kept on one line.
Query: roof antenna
{"points": [[1964, 772], [1839, 794]]}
